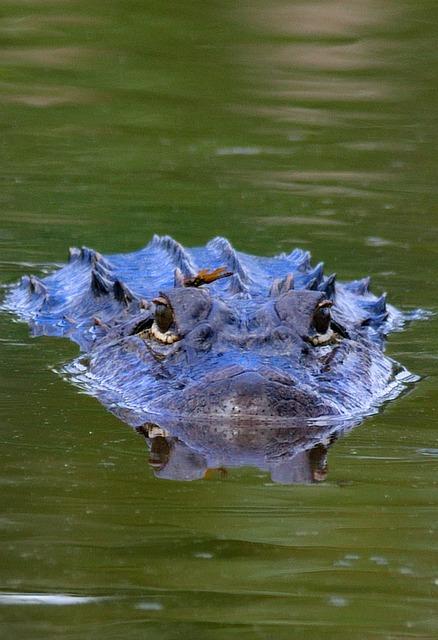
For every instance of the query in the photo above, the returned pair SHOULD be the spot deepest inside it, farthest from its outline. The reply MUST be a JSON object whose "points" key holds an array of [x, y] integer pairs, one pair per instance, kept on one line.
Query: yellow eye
{"points": [[322, 316], [163, 314]]}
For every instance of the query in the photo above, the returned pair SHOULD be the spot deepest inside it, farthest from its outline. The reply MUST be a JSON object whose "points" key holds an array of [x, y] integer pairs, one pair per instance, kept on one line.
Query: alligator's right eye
{"points": [[162, 328], [163, 315]]}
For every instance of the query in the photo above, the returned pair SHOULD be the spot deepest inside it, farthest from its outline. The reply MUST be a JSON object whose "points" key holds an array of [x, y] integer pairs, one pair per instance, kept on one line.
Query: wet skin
{"points": [[211, 332]]}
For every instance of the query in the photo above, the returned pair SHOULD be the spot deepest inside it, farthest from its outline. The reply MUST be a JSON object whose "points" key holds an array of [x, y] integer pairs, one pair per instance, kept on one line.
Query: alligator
{"points": [[210, 333]]}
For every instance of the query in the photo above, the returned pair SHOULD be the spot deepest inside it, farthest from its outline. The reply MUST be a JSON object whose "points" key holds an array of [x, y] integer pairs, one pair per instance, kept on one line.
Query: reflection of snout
{"points": [[252, 393]]}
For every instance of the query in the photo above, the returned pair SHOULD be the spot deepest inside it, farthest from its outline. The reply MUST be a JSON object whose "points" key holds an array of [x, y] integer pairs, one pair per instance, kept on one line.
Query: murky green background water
{"points": [[276, 124]]}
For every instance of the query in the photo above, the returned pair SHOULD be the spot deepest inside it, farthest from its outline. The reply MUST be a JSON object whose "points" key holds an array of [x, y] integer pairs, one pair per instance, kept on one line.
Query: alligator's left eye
{"points": [[322, 324], [322, 316]]}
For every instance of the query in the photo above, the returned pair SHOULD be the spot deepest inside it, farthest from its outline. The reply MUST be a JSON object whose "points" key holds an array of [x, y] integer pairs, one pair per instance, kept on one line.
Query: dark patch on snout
{"points": [[236, 393]]}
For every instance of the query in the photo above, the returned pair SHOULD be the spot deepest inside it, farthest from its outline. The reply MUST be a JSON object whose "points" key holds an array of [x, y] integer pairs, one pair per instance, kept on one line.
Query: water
{"points": [[275, 124]]}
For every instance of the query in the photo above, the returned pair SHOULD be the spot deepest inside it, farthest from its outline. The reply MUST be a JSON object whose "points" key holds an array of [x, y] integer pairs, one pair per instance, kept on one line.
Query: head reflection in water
{"points": [[294, 454]]}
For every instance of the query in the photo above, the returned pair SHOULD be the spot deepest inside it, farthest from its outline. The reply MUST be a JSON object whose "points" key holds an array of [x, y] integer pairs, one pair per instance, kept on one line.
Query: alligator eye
{"points": [[161, 328], [163, 316], [322, 324], [321, 317]]}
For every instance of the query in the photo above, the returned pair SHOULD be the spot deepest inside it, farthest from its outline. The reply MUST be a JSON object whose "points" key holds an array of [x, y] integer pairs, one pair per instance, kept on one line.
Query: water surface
{"points": [[275, 124]]}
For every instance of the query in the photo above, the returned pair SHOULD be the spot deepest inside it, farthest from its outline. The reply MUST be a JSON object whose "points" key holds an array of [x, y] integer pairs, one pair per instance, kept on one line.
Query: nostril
{"points": [[281, 333], [201, 336]]}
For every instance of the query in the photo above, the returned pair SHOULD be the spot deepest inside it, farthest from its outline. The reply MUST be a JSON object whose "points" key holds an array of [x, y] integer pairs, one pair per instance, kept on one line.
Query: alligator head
{"points": [[234, 357], [255, 337]]}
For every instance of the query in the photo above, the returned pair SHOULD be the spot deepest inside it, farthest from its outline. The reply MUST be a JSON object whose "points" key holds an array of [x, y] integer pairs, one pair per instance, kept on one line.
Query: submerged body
{"points": [[209, 331]]}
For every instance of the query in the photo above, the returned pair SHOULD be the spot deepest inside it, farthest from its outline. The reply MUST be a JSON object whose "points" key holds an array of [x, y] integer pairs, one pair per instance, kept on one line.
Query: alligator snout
{"points": [[235, 392]]}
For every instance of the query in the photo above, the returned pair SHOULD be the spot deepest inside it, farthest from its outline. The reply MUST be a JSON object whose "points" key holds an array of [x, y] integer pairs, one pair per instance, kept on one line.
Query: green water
{"points": [[275, 124]]}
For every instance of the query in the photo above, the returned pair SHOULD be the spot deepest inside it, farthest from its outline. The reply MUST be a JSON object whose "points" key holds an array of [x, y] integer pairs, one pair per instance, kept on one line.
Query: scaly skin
{"points": [[164, 334]]}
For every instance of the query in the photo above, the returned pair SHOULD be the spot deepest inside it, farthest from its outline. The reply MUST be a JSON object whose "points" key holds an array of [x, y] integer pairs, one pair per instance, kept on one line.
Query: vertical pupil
{"points": [[163, 317]]}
